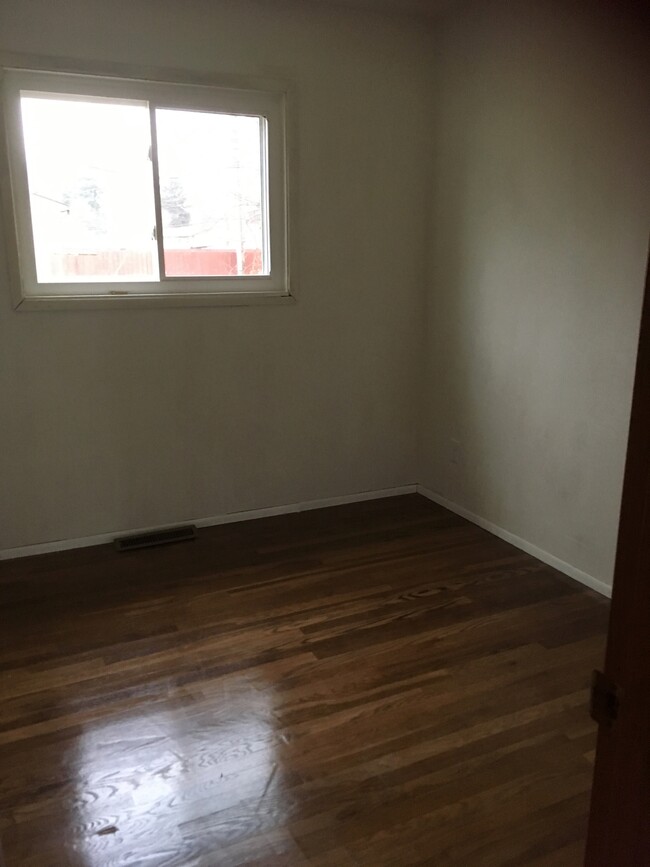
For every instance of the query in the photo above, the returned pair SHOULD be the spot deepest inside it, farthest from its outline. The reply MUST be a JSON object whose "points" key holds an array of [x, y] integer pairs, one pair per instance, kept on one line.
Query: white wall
{"points": [[541, 218], [122, 419]]}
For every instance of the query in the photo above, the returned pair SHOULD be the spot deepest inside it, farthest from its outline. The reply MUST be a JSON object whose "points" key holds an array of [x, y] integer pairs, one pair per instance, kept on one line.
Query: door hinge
{"points": [[605, 699]]}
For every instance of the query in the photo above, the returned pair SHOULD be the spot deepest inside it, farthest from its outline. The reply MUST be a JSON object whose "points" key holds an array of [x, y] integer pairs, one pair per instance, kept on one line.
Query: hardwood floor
{"points": [[375, 684]]}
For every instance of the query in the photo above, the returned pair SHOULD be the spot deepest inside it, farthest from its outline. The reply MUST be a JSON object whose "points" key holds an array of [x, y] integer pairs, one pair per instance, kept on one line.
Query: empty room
{"points": [[325, 403]]}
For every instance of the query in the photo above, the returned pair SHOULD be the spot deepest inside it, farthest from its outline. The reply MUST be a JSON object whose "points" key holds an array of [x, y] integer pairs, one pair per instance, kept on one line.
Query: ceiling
{"points": [[418, 7], [422, 8]]}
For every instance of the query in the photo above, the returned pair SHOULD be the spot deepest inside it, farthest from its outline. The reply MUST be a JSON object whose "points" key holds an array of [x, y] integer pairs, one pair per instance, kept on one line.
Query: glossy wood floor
{"points": [[375, 684]]}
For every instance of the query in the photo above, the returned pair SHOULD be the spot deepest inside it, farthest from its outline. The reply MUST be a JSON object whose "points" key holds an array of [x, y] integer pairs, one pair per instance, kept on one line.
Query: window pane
{"points": [[211, 194], [90, 189]]}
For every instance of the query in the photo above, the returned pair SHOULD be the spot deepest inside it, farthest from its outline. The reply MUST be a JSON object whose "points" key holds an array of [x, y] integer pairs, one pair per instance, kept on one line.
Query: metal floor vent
{"points": [[157, 537]]}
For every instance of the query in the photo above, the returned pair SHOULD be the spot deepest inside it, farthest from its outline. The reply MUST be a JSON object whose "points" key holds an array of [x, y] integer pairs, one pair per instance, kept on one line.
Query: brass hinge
{"points": [[605, 699]]}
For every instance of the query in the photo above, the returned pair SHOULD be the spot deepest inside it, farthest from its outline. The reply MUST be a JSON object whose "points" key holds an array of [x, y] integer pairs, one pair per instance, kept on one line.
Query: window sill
{"points": [[33, 303]]}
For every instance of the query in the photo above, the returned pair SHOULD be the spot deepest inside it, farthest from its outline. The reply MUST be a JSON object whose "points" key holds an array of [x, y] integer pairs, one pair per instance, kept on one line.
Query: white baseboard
{"points": [[522, 544], [228, 518], [251, 514]]}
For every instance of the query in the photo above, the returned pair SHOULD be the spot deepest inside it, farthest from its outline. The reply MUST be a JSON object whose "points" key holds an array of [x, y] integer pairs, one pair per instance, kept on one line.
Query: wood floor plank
{"points": [[380, 683]]}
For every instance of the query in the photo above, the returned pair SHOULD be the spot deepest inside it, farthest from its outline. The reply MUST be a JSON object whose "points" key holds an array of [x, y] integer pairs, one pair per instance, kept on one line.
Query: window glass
{"points": [[211, 191], [90, 188]]}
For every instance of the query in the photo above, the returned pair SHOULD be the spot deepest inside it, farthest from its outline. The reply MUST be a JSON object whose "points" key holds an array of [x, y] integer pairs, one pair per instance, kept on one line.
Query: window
{"points": [[134, 190]]}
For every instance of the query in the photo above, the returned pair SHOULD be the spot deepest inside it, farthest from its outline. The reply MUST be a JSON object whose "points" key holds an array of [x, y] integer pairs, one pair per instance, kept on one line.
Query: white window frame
{"points": [[231, 96]]}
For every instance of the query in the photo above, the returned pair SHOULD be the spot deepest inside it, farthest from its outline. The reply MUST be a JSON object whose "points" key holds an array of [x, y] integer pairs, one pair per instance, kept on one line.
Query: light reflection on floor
{"points": [[140, 776]]}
